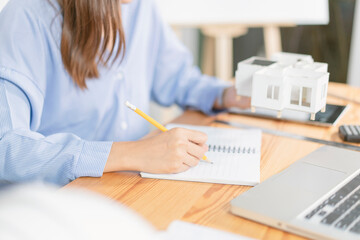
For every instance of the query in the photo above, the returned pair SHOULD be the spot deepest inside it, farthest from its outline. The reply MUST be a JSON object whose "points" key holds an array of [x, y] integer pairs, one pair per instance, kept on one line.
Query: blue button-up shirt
{"points": [[53, 131]]}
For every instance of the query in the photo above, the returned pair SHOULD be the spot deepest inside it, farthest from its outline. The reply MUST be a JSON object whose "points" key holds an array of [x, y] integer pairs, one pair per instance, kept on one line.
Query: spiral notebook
{"points": [[235, 155]]}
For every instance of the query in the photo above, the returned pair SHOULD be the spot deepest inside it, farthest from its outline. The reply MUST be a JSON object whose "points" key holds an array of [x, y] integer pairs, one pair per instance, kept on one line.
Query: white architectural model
{"points": [[292, 81]]}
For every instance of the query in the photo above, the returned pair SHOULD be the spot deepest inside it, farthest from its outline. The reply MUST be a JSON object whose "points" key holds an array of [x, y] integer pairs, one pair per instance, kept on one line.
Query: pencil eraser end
{"points": [[129, 105]]}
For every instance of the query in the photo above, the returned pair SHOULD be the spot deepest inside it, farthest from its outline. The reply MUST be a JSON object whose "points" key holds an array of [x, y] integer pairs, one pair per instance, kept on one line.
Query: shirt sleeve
{"points": [[25, 153], [176, 79], [28, 155]]}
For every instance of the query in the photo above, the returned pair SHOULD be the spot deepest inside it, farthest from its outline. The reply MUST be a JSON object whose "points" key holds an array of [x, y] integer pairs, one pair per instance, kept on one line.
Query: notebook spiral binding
{"points": [[231, 149]]}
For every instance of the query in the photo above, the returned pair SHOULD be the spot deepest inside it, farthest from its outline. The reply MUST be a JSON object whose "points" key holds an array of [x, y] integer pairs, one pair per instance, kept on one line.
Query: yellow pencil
{"points": [[153, 122]]}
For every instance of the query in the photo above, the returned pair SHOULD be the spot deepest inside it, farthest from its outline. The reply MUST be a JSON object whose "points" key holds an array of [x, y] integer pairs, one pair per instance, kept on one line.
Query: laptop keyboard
{"points": [[342, 209]]}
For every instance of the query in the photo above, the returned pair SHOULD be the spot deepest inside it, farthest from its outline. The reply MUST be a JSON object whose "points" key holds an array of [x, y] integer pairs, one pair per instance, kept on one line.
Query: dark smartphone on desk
{"points": [[328, 118]]}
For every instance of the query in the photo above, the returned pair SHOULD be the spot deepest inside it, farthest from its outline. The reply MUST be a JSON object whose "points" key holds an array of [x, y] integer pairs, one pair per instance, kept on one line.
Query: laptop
{"points": [[316, 197]]}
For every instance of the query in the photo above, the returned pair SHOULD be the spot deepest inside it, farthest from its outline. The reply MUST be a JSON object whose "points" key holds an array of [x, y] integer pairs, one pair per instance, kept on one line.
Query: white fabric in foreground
{"points": [[36, 211]]}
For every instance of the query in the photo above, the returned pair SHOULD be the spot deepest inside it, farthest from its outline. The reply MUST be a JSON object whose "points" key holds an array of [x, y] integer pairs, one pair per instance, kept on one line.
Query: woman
{"points": [[66, 69]]}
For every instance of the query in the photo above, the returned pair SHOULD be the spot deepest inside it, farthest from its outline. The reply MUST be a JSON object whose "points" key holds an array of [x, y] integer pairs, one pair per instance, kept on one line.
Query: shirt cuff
{"points": [[92, 159], [211, 94]]}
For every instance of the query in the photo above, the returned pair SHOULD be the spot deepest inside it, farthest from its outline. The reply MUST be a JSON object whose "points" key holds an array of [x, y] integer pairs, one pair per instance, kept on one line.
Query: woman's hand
{"points": [[172, 151], [231, 99]]}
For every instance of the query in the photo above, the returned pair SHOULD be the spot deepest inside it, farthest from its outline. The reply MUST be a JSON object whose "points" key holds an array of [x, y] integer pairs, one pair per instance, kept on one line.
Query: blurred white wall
{"points": [[202, 12]]}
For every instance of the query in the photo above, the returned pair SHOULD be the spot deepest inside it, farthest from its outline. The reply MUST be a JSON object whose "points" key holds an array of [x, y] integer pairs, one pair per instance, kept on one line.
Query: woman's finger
{"points": [[196, 150], [191, 161], [182, 168], [196, 136]]}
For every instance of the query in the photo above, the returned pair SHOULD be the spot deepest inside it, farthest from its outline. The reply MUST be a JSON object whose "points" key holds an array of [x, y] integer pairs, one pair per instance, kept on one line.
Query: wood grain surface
{"points": [[162, 201]]}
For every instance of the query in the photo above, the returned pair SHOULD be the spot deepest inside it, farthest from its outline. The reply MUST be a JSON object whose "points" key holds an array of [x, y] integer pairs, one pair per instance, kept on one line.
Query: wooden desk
{"points": [[162, 201]]}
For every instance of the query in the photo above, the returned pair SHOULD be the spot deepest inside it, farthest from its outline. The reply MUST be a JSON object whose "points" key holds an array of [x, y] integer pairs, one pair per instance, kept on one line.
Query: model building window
{"points": [[276, 92], [306, 97], [269, 92], [295, 95], [273, 92]]}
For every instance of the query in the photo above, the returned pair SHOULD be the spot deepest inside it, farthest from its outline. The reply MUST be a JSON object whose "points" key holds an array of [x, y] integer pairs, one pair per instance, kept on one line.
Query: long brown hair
{"points": [[89, 28]]}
